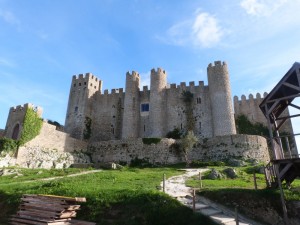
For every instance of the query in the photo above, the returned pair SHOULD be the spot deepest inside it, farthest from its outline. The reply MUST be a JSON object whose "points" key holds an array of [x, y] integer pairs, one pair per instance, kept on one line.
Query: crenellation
{"points": [[201, 84], [251, 98], [258, 96], [183, 85], [106, 92], [192, 84], [172, 86], [145, 88]]}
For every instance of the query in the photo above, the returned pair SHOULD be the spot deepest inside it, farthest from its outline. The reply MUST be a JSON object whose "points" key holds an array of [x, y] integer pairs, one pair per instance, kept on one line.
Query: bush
{"points": [[149, 141], [199, 164], [136, 162], [175, 134], [8, 145]]}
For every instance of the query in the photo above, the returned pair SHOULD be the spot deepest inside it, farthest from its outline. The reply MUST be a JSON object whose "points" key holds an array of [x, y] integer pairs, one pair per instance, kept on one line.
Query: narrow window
{"points": [[144, 128], [145, 107], [91, 85], [198, 100], [79, 84], [76, 109], [74, 85], [113, 130], [95, 87], [181, 126], [84, 83], [200, 125]]}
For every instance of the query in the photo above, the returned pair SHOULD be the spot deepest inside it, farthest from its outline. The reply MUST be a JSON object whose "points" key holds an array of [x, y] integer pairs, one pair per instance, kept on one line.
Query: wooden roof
{"points": [[282, 95]]}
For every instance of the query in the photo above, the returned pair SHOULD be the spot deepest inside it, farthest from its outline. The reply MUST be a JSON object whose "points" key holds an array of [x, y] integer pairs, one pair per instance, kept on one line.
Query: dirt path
{"points": [[175, 187]]}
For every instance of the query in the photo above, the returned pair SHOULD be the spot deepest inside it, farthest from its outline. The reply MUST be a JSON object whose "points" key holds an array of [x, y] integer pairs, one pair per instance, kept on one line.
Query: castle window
{"points": [[76, 109], [84, 83], [91, 85], [113, 130], [198, 100], [79, 84], [199, 125], [144, 128], [95, 87], [145, 107], [74, 85]]}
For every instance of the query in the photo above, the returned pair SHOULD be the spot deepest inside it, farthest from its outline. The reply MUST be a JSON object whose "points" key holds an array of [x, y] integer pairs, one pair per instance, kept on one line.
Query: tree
{"points": [[187, 143]]}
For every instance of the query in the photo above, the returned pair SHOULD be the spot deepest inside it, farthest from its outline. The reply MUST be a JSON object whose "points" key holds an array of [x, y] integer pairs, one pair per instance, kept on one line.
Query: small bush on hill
{"points": [[149, 141], [8, 145]]}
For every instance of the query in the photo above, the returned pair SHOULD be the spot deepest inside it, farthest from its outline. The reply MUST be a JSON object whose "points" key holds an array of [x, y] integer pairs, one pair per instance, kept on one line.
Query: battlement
{"points": [[217, 64], [23, 108], [133, 74], [114, 91], [145, 88], [159, 71], [250, 97], [86, 76]]}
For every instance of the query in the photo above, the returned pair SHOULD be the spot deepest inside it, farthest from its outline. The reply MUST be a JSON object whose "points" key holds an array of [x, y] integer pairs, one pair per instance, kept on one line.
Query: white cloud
{"points": [[9, 17], [6, 62], [262, 7], [206, 31], [203, 30]]}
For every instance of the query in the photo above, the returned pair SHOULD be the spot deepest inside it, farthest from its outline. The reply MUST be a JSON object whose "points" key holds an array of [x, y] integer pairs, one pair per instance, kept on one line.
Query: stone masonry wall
{"points": [[166, 152]]}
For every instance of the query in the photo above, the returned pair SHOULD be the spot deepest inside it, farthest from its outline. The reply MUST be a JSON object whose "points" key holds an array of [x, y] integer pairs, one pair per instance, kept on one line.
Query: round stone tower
{"points": [[157, 116], [220, 98], [131, 106], [79, 109]]}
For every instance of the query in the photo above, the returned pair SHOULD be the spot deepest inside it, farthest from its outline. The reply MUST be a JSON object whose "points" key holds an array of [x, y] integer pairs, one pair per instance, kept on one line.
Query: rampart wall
{"points": [[167, 152]]}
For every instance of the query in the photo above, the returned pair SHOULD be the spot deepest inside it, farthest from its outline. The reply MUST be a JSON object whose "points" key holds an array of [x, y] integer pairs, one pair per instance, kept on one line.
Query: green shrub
{"points": [[200, 164], [136, 162], [31, 127], [175, 134], [149, 141], [8, 145]]}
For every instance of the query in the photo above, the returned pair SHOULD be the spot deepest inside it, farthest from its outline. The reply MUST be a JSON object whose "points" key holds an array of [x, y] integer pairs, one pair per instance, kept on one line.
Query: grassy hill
{"points": [[129, 196]]}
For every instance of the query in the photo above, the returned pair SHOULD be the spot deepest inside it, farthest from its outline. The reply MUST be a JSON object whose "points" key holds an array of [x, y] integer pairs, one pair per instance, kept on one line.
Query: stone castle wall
{"points": [[51, 147], [166, 152], [121, 115], [15, 120], [250, 108], [1, 133]]}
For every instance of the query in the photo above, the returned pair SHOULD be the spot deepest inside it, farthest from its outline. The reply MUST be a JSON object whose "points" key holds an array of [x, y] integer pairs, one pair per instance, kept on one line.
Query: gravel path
{"points": [[175, 187]]}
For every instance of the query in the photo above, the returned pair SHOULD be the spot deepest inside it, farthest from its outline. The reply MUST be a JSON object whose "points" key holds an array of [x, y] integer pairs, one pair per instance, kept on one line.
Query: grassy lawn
{"points": [[128, 196]]}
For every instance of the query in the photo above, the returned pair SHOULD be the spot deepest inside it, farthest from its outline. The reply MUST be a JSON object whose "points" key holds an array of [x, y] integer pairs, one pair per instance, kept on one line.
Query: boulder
{"points": [[231, 173], [214, 175], [236, 162]]}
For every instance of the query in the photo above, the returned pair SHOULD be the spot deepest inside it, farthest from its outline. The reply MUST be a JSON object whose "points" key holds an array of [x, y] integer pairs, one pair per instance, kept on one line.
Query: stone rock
{"points": [[231, 173], [253, 162], [7, 172], [236, 162], [214, 175]]}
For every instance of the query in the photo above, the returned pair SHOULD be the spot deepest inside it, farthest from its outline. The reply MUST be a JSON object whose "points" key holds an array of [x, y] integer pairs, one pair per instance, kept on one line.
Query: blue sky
{"points": [[44, 43]]}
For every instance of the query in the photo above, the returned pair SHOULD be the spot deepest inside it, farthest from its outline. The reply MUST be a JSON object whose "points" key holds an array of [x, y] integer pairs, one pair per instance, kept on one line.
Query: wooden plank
{"points": [[34, 222], [58, 198], [49, 207]]}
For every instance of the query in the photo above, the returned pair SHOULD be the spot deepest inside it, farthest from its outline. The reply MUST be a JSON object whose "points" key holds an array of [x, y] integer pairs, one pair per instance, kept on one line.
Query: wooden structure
{"points": [[284, 165], [48, 210]]}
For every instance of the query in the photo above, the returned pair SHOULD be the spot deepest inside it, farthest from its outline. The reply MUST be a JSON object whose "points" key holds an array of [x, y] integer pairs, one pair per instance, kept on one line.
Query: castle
{"points": [[111, 125], [137, 113]]}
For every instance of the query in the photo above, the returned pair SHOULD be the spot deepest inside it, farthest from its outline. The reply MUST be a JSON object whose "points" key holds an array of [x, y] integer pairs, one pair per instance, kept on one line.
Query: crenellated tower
{"points": [[221, 101], [79, 109], [15, 120], [157, 117], [131, 106]]}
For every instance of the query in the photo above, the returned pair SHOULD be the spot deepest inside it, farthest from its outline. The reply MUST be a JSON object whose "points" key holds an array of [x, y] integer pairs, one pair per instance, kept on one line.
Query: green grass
{"points": [[129, 196]]}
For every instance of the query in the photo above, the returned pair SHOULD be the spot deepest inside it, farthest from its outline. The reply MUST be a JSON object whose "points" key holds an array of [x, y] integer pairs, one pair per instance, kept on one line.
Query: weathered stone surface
{"points": [[236, 162], [7, 161], [231, 173], [36, 157], [214, 175], [214, 149]]}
